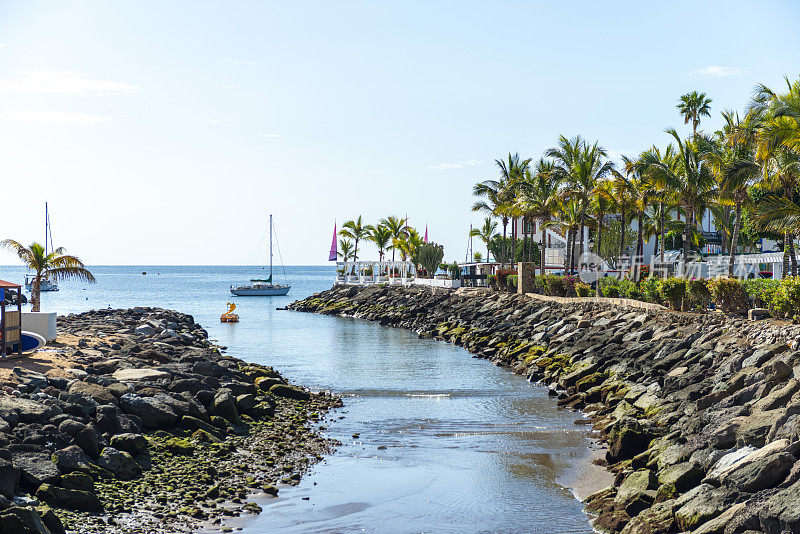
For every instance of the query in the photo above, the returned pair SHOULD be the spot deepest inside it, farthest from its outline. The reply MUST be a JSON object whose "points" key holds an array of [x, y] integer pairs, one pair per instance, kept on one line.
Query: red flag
{"points": [[332, 256]]}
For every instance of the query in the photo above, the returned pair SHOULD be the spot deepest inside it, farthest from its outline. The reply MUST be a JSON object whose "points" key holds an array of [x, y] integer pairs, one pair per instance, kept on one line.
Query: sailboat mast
{"points": [[270, 246], [46, 225]]}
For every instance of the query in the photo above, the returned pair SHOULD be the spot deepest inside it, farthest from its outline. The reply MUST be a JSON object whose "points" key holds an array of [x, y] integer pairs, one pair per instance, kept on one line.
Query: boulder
{"points": [[19, 520], [760, 474], [98, 393], [627, 443], [264, 382], [700, 504], [132, 375], [658, 519], [224, 405], [78, 481], [289, 392], [129, 442], [71, 459], [120, 463], [634, 486], [83, 501], [50, 520], [9, 478], [14, 410], [35, 468], [682, 476], [153, 412]]}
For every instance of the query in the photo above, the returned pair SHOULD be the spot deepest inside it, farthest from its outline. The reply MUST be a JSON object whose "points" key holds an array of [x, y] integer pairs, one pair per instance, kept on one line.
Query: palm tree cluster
{"points": [[391, 233], [746, 175]]}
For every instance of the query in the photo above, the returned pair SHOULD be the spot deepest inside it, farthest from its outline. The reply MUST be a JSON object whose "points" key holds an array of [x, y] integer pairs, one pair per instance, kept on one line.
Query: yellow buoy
{"points": [[229, 316]]}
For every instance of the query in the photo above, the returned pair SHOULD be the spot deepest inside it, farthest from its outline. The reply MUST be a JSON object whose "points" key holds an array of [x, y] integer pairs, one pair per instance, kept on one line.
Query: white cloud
{"points": [[64, 82], [271, 135], [715, 71], [58, 117], [449, 166]]}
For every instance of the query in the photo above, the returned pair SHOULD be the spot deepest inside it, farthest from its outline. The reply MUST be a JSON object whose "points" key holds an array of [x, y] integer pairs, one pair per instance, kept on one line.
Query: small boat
{"points": [[263, 287], [45, 284]]}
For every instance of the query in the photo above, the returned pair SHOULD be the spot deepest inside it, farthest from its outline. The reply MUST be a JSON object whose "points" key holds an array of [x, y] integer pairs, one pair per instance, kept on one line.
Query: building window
{"points": [[527, 228]]}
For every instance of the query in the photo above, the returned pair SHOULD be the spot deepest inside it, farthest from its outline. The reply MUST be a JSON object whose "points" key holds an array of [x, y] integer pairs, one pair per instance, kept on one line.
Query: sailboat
{"points": [[45, 284], [260, 287]]}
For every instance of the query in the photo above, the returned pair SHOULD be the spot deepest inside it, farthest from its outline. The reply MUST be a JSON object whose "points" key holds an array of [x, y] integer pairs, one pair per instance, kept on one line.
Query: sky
{"points": [[166, 132]]}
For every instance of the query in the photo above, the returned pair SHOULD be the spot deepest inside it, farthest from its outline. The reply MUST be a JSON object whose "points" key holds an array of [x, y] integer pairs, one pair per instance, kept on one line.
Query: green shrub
{"points": [[649, 288], [502, 277], [553, 285], [511, 280], [491, 281], [584, 290], [609, 287], [785, 301], [761, 290], [673, 291], [628, 289], [570, 281], [729, 295], [699, 294]]}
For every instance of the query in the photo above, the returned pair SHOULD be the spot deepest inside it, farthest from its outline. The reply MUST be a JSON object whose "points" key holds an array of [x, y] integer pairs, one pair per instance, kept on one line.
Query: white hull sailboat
{"points": [[45, 284], [259, 287]]}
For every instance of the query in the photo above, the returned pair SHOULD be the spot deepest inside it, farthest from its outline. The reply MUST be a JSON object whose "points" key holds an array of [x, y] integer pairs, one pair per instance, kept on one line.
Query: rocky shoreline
{"points": [[143, 425], [700, 413]]}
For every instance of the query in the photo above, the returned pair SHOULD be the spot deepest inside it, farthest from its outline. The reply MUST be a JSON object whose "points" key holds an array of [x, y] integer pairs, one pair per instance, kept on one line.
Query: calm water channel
{"points": [[447, 442]]}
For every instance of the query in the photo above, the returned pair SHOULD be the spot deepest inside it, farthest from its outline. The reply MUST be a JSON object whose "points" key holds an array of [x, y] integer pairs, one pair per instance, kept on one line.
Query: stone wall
{"points": [[700, 413]]}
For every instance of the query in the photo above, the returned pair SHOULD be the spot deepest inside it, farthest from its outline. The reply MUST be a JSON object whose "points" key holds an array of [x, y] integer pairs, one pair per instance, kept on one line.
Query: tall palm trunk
{"points": [[737, 223], [639, 246], [572, 252], [566, 251], [785, 266], [599, 242], [663, 245], [36, 294], [543, 247], [621, 236], [687, 230], [505, 247]]}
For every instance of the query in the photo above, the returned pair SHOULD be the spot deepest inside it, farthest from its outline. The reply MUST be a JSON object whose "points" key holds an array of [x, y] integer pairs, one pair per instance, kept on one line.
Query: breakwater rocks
{"points": [[700, 413], [141, 425]]}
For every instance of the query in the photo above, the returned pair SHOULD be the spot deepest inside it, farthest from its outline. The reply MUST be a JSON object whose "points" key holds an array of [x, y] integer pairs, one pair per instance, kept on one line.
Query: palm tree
{"points": [[581, 166], [570, 215], [601, 203], [622, 190], [692, 106], [487, 232], [781, 170], [355, 230], [778, 139], [642, 189], [734, 162], [382, 237], [690, 175], [345, 249], [500, 194], [56, 265], [396, 227], [540, 198], [409, 243]]}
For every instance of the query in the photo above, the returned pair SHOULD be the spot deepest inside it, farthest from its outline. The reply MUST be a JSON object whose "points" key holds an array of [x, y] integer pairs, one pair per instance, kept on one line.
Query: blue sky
{"points": [[165, 132]]}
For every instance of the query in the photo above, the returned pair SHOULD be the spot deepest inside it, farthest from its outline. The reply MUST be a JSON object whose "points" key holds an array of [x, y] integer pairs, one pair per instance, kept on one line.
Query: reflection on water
{"points": [[469, 447]]}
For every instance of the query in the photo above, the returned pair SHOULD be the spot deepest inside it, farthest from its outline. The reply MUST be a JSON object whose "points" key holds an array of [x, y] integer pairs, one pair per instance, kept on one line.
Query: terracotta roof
{"points": [[3, 283]]}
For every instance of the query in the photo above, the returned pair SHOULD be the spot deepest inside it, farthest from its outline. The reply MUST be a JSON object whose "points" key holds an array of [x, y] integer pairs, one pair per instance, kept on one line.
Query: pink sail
{"points": [[426, 233], [333, 254]]}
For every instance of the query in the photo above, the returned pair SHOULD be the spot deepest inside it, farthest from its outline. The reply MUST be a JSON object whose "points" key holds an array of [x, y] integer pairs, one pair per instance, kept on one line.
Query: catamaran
{"points": [[263, 287], [45, 284]]}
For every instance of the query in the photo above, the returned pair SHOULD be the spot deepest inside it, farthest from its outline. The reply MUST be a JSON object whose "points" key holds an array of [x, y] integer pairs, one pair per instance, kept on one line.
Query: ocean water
{"points": [[446, 442]]}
